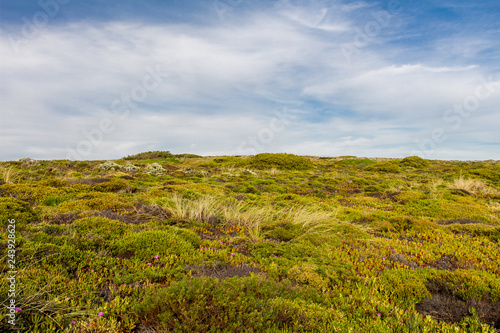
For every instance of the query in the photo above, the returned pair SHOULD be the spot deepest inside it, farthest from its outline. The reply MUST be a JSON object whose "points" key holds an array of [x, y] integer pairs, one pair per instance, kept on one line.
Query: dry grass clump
{"points": [[6, 175], [208, 209], [471, 186]]}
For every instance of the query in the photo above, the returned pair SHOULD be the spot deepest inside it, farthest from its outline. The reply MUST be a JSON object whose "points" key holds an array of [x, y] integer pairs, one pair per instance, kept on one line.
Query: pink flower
{"points": [[378, 314], [18, 309], [232, 254], [149, 264], [100, 314], [73, 322], [157, 256]]}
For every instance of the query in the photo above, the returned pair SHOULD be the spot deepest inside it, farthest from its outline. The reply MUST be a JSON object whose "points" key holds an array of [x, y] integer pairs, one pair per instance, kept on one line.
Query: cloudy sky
{"points": [[106, 79]]}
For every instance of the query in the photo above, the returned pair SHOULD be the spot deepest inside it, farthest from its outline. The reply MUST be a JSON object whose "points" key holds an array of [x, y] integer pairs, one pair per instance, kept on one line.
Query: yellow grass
{"points": [[6, 175], [208, 209], [471, 185]]}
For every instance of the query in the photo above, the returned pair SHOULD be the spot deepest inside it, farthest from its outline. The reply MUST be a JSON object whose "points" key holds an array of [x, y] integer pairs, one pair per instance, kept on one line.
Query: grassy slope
{"points": [[276, 243]]}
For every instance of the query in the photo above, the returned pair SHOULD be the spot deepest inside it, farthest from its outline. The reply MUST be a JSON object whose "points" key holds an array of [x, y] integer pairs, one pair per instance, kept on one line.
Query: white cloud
{"points": [[221, 85]]}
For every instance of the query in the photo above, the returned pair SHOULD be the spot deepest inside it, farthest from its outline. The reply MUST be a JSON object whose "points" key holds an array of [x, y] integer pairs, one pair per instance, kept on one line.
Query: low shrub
{"points": [[14, 209], [385, 167], [415, 162], [356, 162], [283, 231], [93, 233], [145, 245], [267, 161], [149, 155]]}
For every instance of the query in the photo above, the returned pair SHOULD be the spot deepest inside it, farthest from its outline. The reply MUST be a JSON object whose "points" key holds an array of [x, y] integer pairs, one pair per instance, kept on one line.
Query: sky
{"points": [[96, 80]]}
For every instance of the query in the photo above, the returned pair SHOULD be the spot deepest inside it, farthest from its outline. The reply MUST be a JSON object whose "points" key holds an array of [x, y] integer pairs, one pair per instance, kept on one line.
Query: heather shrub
{"points": [[209, 305], [283, 231], [145, 245], [278, 161], [356, 162], [14, 209], [93, 233], [150, 155], [114, 185], [385, 167], [415, 162]]}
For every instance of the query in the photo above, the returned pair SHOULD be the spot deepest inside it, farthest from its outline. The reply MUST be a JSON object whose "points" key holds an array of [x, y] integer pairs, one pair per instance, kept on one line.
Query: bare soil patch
{"points": [[445, 305]]}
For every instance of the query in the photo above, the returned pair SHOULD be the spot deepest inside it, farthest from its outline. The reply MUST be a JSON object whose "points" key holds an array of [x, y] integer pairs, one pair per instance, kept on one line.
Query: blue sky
{"points": [[106, 79]]}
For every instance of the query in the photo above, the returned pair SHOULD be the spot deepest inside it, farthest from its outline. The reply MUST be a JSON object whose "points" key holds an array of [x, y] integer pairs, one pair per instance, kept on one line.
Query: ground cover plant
{"points": [[157, 242]]}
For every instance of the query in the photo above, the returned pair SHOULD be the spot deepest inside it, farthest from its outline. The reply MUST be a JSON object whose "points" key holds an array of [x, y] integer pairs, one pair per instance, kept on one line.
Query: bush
{"points": [[96, 232], [415, 162], [257, 304], [11, 208], [278, 161], [145, 245], [108, 165], [114, 185], [283, 231], [150, 155], [356, 161], [386, 167], [155, 168]]}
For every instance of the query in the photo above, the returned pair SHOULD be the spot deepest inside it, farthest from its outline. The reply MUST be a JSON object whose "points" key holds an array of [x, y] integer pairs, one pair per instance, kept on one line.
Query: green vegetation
{"points": [[157, 242], [278, 161]]}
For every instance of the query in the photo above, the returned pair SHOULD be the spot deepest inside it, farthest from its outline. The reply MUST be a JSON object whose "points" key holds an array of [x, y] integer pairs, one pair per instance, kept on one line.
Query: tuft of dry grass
{"points": [[7, 175], [208, 209], [471, 185], [434, 188]]}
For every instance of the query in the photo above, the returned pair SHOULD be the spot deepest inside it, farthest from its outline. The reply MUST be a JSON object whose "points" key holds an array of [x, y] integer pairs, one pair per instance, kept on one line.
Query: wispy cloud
{"points": [[222, 82]]}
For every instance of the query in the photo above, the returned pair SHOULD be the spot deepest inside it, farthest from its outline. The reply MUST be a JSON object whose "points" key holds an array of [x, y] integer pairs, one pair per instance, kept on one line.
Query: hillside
{"points": [[158, 242]]}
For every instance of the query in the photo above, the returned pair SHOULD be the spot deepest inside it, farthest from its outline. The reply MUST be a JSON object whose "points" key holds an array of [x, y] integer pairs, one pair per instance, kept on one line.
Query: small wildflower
{"points": [[157, 256], [130, 285], [100, 314], [73, 322], [18, 309], [67, 298], [221, 242], [232, 254], [149, 264], [378, 314]]}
